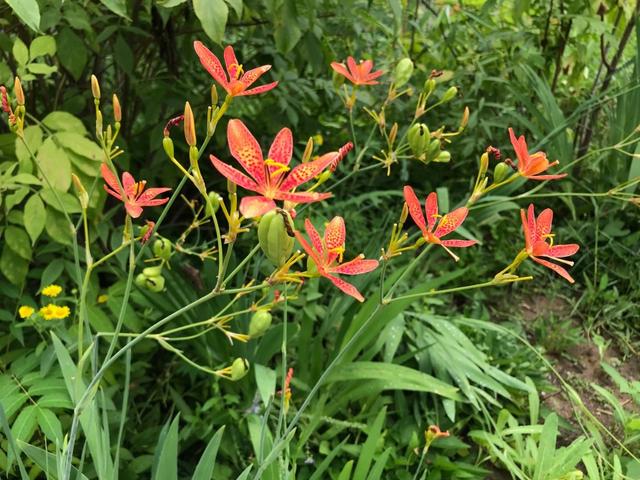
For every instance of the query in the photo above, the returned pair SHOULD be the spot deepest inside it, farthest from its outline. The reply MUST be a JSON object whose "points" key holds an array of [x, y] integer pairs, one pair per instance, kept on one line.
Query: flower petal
{"points": [[543, 224], [234, 175], [458, 243], [556, 268], [254, 74], [129, 185], [211, 63], [251, 207], [520, 147], [547, 177], [109, 177], [342, 70], [257, 90], [150, 193], [302, 197], [415, 210], [245, 148], [315, 238], [231, 62], [346, 287], [452, 220], [306, 171], [357, 266], [352, 65], [335, 234], [281, 149], [133, 210], [431, 209], [561, 251]]}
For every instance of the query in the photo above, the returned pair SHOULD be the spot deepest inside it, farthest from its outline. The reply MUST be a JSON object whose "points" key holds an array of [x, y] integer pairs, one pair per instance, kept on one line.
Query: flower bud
{"points": [[449, 94], [403, 71], [239, 369], [484, 165], [117, 111], [500, 172], [95, 87], [83, 196], [193, 157], [273, 236], [324, 176], [443, 157], [167, 144], [152, 271], [393, 133], [140, 280], [189, 125], [18, 92], [162, 248], [213, 204], [419, 138], [154, 284], [465, 118], [429, 86], [214, 94], [434, 149], [98, 124], [308, 151], [260, 323]]}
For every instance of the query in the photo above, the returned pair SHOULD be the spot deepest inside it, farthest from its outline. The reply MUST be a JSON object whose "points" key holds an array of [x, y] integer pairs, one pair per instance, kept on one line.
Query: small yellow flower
{"points": [[103, 298], [52, 290], [62, 312], [25, 311], [55, 312]]}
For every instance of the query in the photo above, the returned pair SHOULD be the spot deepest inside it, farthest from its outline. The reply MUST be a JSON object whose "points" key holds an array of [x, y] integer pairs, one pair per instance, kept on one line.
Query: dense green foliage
{"points": [[532, 379]]}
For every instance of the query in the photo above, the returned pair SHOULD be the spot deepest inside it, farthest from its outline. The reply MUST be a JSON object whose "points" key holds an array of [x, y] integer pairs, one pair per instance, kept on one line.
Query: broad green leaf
{"points": [[20, 52], [18, 241], [81, 145], [237, 6], [35, 216], [48, 462], [50, 425], [33, 139], [12, 447], [119, 7], [61, 201], [13, 266], [213, 16], [266, 382], [42, 68], [60, 120], [167, 466], [207, 462], [51, 272], [68, 41], [170, 3], [58, 228], [28, 11], [25, 179], [40, 46], [25, 424], [55, 400], [54, 165]]}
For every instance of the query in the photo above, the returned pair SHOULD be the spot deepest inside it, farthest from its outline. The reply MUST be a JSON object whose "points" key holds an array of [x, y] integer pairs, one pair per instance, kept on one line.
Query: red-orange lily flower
{"points": [[530, 165], [327, 253], [135, 196], [447, 224], [536, 233], [269, 177], [235, 81], [357, 73]]}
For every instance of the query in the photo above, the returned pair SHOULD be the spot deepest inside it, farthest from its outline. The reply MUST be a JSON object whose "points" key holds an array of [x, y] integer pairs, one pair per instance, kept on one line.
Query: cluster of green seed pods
{"points": [[425, 148], [275, 236]]}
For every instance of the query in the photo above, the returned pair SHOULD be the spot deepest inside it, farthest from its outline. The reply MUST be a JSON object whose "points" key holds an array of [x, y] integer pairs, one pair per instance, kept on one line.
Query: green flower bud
{"points": [[418, 137], [260, 323], [162, 248], [273, 236], [500, 172], [443, 157], [429, 86], [140, 280], [167, 144], [403, 71], [449, 94], [239, 369], [214, 203], [152, 271], [434, 149]]}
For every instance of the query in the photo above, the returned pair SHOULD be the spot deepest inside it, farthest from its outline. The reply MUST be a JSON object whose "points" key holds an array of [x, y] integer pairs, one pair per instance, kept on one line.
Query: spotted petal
{"points": [[335, 234], [234, 175], [561, 251], [306, 171], [314, 236], [346, 287], [415, 210], [458, 243], [357, 266], [520, 147], [451, 221], [256, 206], [211, 63], [254, 74], [556, 268], [431, 209], [543, 224], [302, 197], [111, 181], [257, 90], [231, 62], [148, 197], [281, 149], [245, 148]]}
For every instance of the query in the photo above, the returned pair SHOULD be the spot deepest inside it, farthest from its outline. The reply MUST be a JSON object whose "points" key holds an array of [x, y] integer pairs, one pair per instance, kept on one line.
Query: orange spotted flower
{"points": [[269, 177], [447, 224], [536, 233], [327, 253], [235, 81], [358, 73], [530, 165], [135, 196]]}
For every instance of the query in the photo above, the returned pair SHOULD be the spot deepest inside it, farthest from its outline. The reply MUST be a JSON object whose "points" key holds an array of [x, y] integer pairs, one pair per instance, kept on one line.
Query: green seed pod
{"points": [[140, 280], [418, 137], [167, 144], [162, 248], [449, 94], [434, 149], [429, 86], [273, 236], [154, 284], [500, 172], [260, 323], [239, 369], [403, 71], [214, 203], [152, 271], [443, 157]]}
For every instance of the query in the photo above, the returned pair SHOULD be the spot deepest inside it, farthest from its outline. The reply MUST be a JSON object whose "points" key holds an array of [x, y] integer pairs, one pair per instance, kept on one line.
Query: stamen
{"points": [[453, 255], [281, 167]]}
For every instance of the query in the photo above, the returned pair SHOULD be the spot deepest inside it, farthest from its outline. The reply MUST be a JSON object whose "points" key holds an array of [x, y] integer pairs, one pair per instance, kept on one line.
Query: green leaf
{"points": [[18, 240], [55, 166], [547, 447], [369, 448], [393, 377], [207, 462], [237, 6], [61, 201], [20, 52], [167, 460], [41, 68], [81, 145], [119, 7], [40, 46], [51, 272], [213, 15], [68, 41], [58, 228], [64, 121], [266, 382], [12, 447], [33, 139], [35, 216], [50, 425], [28, 11], [25, 424], [48, 462]]}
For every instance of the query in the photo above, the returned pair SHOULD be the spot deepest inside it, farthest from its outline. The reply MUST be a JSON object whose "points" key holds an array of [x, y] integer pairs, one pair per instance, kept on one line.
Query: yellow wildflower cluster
{"points": [[52, 290], [25, 311], [54, 312]]}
